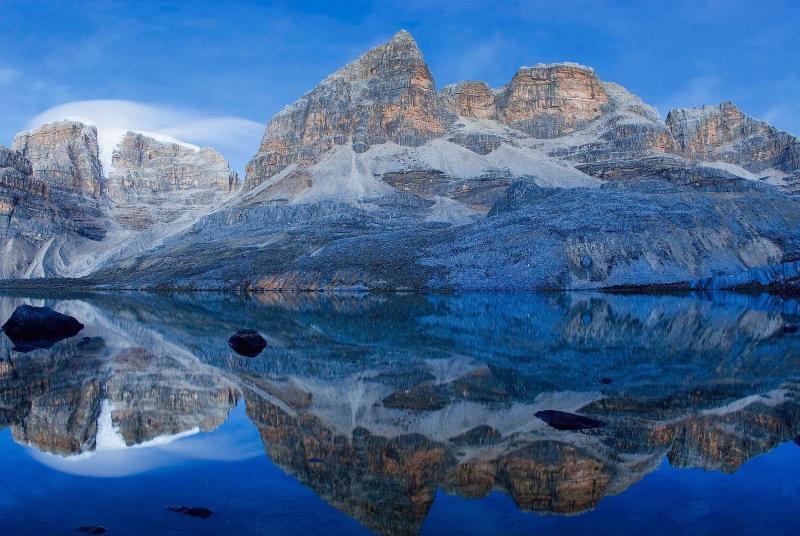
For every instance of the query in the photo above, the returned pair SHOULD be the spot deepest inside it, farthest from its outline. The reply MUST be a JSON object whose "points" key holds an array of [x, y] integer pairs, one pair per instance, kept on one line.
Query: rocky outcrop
{"points": [[724, 133], [145, 170], [41, 223], [641, 234], [64, 154], [386, 95], [470, 99], [60, 217], [551, 100]]}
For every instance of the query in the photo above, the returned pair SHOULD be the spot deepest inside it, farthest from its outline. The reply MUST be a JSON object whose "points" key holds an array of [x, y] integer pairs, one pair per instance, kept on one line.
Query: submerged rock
{"points": [[247, 342], [562, 420], [91, 529], [606, 381], [480, 435], [424, 397], [39, 327], [790, 328], [193, 511]]}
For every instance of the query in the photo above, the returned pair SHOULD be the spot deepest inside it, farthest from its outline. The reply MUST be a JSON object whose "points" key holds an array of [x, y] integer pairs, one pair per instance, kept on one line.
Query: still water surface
{"points": [[404, 414]]}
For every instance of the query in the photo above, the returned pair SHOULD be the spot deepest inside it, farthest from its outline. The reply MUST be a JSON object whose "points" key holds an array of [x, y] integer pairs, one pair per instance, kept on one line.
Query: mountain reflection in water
{"points": [[375, 402]]}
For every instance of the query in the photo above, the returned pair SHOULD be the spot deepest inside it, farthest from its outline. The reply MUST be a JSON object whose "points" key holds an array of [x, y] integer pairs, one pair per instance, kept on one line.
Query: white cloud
{"points": [[785, 116], [8, 75], [697, 92], [235, 137]]}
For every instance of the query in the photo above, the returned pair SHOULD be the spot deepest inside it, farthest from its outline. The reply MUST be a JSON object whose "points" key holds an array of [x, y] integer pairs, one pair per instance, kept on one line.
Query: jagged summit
{"points": [[386, 95], [722, 132], [65, 211], [64, 154]]}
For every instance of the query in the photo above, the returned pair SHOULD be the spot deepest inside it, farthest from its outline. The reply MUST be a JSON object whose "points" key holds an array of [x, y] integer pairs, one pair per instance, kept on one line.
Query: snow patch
{"points": [[449, 211]]}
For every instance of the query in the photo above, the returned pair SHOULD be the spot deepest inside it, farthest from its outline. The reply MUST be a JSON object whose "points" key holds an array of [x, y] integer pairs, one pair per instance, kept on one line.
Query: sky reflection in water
{"points": [[404, 414]]}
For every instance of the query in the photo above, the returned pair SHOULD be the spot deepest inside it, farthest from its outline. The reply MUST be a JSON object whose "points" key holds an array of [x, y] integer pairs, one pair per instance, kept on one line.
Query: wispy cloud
{"points": [[8, 75], [235, 137], [696, 92]]}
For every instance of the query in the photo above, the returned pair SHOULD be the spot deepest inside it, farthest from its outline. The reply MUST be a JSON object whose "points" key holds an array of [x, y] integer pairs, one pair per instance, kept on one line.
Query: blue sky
{"points": [[215, 72]]}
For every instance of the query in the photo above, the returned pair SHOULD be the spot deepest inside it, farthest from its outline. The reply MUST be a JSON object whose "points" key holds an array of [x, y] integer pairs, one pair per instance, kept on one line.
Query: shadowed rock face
{"points": [[64, 154], [42, 221], [60, 217], [149, 171], [724, 133], [386, 95]]}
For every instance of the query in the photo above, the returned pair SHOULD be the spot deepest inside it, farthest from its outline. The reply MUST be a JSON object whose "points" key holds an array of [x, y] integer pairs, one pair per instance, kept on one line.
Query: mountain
{"points": [[376, 180], [67, 213]]}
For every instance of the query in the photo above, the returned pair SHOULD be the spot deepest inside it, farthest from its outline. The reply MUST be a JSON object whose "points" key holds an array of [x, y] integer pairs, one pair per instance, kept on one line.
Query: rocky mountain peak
{"points": [[722, 132], [64, 154], [386, 95], [470, 98], [171, 165], [551, 100]]}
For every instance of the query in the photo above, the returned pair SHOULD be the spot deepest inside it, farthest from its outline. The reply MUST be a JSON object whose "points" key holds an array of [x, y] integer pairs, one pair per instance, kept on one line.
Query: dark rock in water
{"points": [[561, 420], [480, 435], [789, 328], [193, 511], [797, 440], [606, 381], [91, 529], [39, 327], [247, 342]]}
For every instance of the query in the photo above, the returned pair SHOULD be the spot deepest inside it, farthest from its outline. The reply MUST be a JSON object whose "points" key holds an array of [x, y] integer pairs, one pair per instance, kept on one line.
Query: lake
{"points": [[404, 414]]}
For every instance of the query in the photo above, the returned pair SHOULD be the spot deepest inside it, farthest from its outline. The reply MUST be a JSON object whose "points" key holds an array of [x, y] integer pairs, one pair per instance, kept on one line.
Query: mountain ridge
{"points": [[410, 187]]}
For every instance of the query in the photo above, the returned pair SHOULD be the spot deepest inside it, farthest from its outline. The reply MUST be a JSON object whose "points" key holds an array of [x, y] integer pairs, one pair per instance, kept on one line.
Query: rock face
{"points": [[61, 217], [470, 99], [145, 170], [65, 155], [387, 95], [42, 224], [548, 101], [724, 133]]}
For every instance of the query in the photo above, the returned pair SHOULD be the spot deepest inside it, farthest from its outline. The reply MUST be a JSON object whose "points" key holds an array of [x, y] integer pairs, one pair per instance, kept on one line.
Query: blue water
{"points": [[701, 414]]}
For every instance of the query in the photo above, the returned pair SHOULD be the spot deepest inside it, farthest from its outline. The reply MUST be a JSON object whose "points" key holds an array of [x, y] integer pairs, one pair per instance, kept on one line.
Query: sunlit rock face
{"points": [[64, 154], [386, 95], [723, 132], [470, 99], [548, 101]]}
